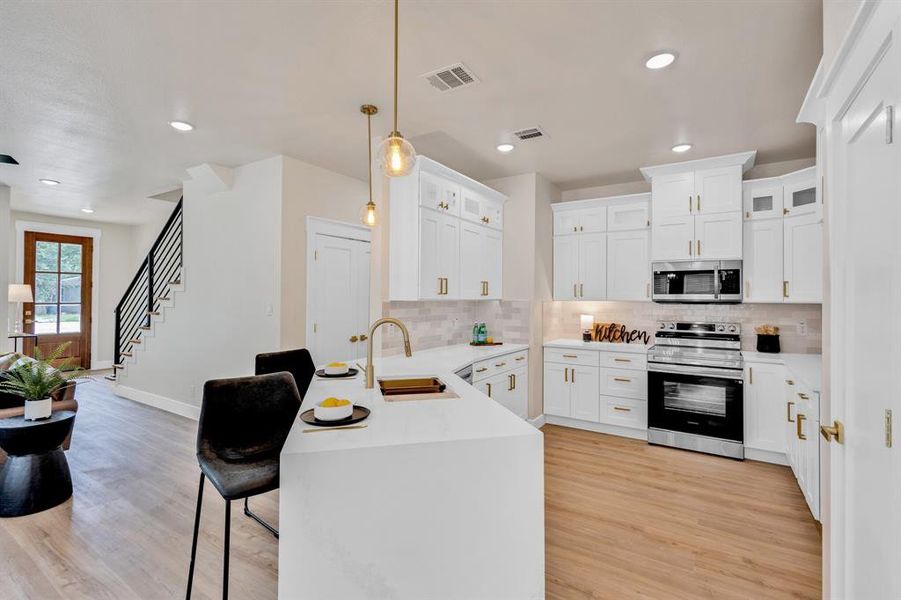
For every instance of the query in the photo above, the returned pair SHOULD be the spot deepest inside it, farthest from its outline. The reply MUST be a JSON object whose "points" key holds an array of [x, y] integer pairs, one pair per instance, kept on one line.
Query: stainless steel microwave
{"points": [[697, 281]]}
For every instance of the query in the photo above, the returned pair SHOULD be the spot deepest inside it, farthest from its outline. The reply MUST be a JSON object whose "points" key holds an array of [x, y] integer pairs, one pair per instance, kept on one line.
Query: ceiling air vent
{"points": [[530, 133], [451, 78], [7, 159]]}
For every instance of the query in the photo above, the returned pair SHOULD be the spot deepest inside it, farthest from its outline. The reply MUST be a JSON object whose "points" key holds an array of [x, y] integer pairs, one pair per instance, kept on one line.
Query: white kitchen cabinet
{"points": [[762, 265], [557, 395], [628, 270], [764, 407], [718, 236], [803, 258], [673, 195], [762, 199], [517, 397], [481, 265], [505, 379], [584, 394], [673, 238], [592, 266], [590, 219], [566, 267], [800, 193], [629, 216], [428, 260], [792, 447], [718, 190], [806, 429]]}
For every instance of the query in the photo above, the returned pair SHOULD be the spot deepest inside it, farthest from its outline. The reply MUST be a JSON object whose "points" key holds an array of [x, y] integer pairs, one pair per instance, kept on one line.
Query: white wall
{"points": [[6, 267], [317, 192], [117, 264], [229, 310]]}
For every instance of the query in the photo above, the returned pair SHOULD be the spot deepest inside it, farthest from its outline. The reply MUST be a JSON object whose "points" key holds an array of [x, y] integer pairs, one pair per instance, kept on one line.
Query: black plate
{"points": [[351, 372], [360, 413]]}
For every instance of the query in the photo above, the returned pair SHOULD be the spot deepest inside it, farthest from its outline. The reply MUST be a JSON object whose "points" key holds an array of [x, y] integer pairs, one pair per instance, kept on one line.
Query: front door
{"points": [[58, 268]]}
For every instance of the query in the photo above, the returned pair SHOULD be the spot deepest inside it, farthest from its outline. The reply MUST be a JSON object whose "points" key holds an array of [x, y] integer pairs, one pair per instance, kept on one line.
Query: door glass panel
{"points": [[46, 256], [684, 282], [763, 204], [695, 398], [46, 287], [802, 197], [70, 258], [69, 288], [45, 318], [69, 318]]}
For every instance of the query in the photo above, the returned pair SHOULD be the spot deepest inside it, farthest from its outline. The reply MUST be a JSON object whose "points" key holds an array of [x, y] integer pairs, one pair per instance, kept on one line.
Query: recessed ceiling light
{"points": [[87, 210], [505, 148], [181, 125], [660, 60], [681, 147], [49, 181]]}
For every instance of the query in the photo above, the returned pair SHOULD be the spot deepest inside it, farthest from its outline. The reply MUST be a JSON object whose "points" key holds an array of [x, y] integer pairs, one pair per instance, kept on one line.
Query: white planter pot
{"points": [[37, 409]]}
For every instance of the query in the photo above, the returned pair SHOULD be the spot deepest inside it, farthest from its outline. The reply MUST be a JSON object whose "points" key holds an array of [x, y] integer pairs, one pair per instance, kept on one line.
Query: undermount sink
{"points": [[406, 386]]}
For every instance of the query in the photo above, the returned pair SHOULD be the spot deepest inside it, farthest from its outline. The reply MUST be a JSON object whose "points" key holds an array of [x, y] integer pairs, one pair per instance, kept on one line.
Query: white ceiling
{"points": [[86, 88]]}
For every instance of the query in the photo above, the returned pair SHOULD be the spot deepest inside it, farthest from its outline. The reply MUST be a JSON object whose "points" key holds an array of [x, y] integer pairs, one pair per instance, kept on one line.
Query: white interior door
{"points": [[339, 289], [864, 534]]}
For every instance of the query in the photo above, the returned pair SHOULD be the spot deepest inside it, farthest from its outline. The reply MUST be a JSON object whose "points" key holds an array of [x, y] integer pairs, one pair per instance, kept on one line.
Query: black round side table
{"points": [[35, 476]]}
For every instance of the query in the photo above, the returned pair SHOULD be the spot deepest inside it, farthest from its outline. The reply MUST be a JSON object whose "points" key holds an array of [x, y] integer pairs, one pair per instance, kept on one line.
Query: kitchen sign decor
{"points": [[618, 334]]}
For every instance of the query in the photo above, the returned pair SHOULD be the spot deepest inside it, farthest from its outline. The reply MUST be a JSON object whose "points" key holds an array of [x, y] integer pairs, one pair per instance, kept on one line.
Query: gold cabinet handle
{"points": [[699, 247], [747, 288], [440, 285], [834, 432], [486, 220], [803, 396], [353, 339], [690, 248], [363, 337], [514, 381], [500, 364], [489, 389], [572, 376], [622, 379], [566, 374], [689, 204], [800, 424], [575, 228], [509, 383], [785, 289], [699, 202], [581, 228], [647, 291], [520, 358], [482, 370], [581, 290], [751, 375], [575, 291], [625, 360], [789, 382], [785, 211], [622, 409], [570, 356], [788, 411]]}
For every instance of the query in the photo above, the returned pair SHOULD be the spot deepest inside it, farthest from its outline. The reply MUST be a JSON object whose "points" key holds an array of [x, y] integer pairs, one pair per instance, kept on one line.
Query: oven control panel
{"points": [[700, 328]]}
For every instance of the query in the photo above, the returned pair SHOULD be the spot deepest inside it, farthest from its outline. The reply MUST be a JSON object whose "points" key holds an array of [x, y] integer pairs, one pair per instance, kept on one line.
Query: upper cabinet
{"points": [[696, 208], [446, 237], [601, 249], [783, 239]]}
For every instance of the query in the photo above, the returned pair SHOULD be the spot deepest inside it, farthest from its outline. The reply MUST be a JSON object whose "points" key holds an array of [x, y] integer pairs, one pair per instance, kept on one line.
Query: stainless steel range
{"points": [[696, 388]]}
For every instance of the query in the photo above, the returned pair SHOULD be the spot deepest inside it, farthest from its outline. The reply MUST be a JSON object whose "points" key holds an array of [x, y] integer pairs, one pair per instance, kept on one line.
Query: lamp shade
{"points": [[587, 322], [20, 292]]}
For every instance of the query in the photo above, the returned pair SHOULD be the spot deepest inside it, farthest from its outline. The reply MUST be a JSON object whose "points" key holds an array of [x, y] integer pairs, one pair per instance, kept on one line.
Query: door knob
{"points": [[834, 432], [353, 338]]}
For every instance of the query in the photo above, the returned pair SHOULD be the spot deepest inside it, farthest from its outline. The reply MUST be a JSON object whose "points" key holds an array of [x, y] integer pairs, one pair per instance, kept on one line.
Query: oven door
{"points": [[696, 400]]}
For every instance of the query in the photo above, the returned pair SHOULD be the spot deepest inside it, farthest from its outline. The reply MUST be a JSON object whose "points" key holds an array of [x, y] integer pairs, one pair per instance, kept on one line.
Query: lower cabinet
{"points": [[506, 381], [571, 391], [763, 407], [802, 440]]}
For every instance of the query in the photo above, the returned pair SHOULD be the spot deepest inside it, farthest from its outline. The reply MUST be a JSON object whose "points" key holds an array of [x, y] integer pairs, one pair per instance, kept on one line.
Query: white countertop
{"points": [[471, 416], [806, 368], [605, 346]]}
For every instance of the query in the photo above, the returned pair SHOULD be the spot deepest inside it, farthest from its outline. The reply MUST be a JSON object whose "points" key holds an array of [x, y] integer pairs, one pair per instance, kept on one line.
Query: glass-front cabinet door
{"points": [[762, 199], [800, 193]]}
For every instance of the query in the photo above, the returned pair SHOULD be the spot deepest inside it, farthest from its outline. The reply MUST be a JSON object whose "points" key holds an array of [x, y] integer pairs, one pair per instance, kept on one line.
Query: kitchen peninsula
{"points": [[433, 499]]}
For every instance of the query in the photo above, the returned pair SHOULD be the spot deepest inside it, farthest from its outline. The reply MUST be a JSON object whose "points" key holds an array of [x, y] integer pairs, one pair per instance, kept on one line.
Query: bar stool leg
{"points": [[256, 518], [228, 518], [196, 530]]}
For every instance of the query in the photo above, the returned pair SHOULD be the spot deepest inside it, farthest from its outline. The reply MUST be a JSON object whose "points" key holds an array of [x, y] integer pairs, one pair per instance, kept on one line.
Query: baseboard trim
{"points": [[168, 404], [635, 434], [100, 365], [537, 422], [767, 456]]}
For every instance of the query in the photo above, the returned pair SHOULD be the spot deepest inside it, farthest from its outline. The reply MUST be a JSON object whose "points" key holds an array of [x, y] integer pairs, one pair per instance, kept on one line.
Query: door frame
{"points": [[321, 226], [88, 232]]}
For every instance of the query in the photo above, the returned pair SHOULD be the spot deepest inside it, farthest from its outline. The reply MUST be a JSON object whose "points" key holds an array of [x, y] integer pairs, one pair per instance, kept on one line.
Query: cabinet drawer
{"points": [[588, 358], [624, 412], [624, 383], [624, 360], [493, 366]]}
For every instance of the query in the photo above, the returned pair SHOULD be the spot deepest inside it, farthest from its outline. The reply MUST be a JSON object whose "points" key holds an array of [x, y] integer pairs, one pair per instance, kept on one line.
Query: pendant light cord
{"points": [[395, 64], [369, 145]]}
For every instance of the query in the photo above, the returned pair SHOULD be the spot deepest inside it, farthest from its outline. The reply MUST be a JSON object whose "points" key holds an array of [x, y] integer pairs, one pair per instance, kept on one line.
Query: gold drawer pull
{"points": [[800, 424], [622, 409], [803, 396], [623, 379], [789, 382], [520, 358], [788, 411], [482, 370], [628, 360], [570, 356], [499, 364]]}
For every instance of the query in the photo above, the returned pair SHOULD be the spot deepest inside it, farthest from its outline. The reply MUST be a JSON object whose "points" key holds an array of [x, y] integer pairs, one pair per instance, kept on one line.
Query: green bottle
{"points": [[475, 333], [483, 333]]}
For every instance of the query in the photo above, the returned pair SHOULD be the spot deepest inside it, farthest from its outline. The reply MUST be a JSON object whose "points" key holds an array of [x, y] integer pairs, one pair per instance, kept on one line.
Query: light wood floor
{"points": [[624, 520]]}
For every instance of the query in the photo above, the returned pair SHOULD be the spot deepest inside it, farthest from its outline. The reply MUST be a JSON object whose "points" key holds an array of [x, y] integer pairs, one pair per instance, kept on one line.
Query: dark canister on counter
{"points": [[768, 343]]}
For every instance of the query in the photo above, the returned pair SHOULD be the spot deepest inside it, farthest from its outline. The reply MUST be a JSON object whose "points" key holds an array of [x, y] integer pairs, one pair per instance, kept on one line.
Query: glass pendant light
{"points": [[367, 213], [396, 155]]}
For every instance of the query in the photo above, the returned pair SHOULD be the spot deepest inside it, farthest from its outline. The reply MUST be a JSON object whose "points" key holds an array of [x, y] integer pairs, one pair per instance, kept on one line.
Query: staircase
{"points": [[158, 277]]}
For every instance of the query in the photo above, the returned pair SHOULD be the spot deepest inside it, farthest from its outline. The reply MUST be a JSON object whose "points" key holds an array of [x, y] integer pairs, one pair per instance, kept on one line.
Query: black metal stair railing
{"points": [[151, 286]]}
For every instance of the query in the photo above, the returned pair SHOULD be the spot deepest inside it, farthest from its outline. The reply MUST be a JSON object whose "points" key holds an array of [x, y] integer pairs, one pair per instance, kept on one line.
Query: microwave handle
{"points": [[716, 283]]}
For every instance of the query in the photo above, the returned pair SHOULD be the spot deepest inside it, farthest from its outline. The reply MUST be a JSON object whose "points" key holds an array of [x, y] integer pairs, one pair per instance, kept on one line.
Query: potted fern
{"points": [[37, 380]]}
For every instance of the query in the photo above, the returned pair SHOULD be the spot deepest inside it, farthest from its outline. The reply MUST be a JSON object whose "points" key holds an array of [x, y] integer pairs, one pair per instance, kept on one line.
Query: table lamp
{"points": [[587, 323], [19, 293]]}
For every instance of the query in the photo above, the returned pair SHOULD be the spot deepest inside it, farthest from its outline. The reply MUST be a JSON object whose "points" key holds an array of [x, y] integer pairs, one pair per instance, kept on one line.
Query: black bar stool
{"points": [[244, 423]]}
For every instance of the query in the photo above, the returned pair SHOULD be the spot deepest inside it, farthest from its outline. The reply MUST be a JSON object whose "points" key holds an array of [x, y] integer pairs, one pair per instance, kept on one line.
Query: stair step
{"points": [[152, 313]]}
